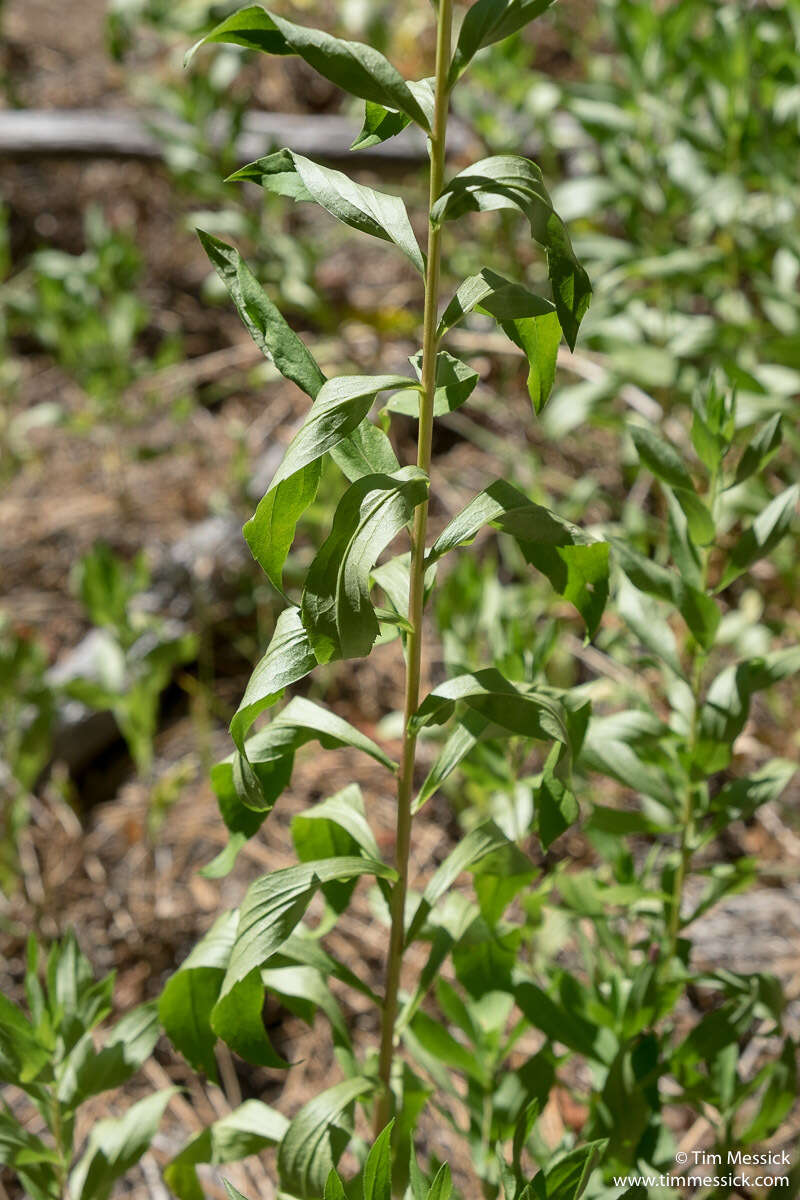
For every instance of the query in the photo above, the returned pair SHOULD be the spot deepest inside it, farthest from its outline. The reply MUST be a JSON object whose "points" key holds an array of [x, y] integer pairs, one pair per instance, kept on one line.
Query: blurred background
{"points": [[139, 425]]}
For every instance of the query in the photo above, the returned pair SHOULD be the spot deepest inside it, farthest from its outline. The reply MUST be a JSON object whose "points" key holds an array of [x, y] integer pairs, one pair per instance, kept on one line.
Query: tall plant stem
{"points": [[417, 569]]}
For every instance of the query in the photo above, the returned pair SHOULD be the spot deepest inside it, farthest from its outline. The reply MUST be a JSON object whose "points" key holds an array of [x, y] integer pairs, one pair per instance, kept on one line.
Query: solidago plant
{"points": [[473, 1065]]}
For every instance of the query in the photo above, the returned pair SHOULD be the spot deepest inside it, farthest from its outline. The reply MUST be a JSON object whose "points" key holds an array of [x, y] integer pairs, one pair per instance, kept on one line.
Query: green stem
{"points": [[417, 570], [688, 814], [687, 819]]}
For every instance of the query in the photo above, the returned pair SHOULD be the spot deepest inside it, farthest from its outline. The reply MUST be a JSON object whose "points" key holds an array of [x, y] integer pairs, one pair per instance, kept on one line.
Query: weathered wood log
{"points": [[89, 133]]}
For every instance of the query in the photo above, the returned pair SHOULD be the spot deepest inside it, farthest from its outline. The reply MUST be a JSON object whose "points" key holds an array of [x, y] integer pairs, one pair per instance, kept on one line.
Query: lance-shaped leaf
{"points": [[494, 295], [317, 1137], [568, 1177], [245, 1131], [617, 746], [288, 658], [304, 991], [529, 320], [263, 764], [263, 321], [486, 839], [339, 407], [699, 611], [662, 460], [273, 906], [520, 709], [466, 735], [190, 994], [489, 21], [455, 383], [770, 527], [357, 69], [365, 451], [724, 714], [115, 1145], [760, 449], [378, 1167], [382, 123], [508, 181], [336, 827], [377, 213], [575, 564], [336, 608], [89, 1071]]}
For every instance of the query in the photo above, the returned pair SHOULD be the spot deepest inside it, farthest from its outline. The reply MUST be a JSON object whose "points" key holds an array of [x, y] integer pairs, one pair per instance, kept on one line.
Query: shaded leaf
{"points": [[245, 1131], [115, 1145], [263, 321], [316, 1138], [339, 407], [272, 908], [382, 123], [455, 383], [508, 181], [336, 608], [186, 1003], [770, 527], [288, 658]]}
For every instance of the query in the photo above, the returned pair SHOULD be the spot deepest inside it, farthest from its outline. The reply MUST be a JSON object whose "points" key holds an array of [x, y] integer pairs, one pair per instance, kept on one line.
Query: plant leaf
{"points": [[335, 827], [699, 611], [661, 458], [575, 564], [365, 451], [770, 527], [760, 449], [491, 293], [508, 181], [260, 774], [357, 69], [466, 735], [336, 608], [363, 208], [382, 123], [378, 1167], [190, 994], [245, 1131], [340, 406], [455, 383], [273, 906], [727, 704], [480, 842], [288, 658], [115, 1145], [263, 321], [89, 1071], [316, 1137], [489, 21]]}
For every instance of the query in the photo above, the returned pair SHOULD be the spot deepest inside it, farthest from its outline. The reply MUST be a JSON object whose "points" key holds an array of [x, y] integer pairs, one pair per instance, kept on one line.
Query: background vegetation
{"points": [[139, 425]]}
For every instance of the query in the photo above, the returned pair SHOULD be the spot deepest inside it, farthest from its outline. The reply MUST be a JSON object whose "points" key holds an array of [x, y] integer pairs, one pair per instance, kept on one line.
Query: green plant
{"points": [[27, 710], [219, 991], [50, 1054], [84, 309], [134, 655], [669, 739]]}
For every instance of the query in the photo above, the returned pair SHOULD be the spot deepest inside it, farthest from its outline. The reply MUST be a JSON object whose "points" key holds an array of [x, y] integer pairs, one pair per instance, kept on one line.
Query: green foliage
{"points": [[134, 655], [27, 713], [84, 309], [51, 1054], [527, 747]]}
